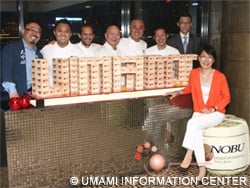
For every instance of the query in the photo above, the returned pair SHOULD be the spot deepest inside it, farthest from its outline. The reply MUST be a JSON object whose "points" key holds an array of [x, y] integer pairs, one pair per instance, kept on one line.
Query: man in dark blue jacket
{"points": [[16, 62]]}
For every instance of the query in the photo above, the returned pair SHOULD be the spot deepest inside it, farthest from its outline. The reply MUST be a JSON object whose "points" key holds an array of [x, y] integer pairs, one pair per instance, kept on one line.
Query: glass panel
{"points": [[98, 13]]}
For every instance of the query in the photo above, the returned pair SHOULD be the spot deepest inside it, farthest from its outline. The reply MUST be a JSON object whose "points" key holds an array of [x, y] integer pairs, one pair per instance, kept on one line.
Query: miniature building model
{"points": [[182, 65], [96, 75], [158, 72], [127, 73], [83, 79], [99, 75], [73, 76], [40, 78], [61, 76]]}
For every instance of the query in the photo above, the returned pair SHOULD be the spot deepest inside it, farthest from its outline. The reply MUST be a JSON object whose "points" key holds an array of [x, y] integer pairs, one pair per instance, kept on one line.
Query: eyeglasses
{"points": [[33, 30]]}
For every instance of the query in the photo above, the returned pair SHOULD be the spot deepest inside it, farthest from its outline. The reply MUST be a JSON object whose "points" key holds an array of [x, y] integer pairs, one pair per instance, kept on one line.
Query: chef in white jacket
{"points": [[133, 45], [62, 48], [109, 48], [86, 45], [161, 47]]}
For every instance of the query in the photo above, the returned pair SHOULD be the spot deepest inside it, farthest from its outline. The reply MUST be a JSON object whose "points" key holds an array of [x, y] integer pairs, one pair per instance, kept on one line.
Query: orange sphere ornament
{"points": [[154, 149], [157, 162], [138, 156], [147, 145], [139, 148]]}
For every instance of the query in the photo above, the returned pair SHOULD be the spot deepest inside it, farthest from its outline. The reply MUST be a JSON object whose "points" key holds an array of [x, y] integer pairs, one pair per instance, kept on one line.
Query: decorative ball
{"points": [[138, 156], [154, 149], [157, 162], [25, 101], [15, 103], [139, 148], [147, 145]]}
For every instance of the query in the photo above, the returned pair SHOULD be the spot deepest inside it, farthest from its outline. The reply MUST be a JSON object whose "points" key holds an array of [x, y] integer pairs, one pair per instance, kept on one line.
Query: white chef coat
{"points": [[169, 50], [107, 50], [51, 51], [88, 51], [129, 47]]}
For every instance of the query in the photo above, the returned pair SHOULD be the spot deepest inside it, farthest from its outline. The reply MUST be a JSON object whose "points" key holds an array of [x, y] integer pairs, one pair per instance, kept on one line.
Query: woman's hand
{"points": [[207, 110], [172, 94]]}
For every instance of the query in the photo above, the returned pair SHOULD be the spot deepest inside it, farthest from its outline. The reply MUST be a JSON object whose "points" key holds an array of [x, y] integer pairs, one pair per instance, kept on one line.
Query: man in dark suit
{"points": [[185, 42], [16, 60]]}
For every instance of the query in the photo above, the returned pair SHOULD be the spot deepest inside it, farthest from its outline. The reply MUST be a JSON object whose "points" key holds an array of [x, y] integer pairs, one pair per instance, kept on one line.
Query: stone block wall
{"points": [[230, 34]]}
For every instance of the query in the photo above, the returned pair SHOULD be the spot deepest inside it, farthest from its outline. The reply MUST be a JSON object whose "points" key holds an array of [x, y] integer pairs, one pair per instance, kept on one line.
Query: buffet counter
{"points": [[83, 137]]}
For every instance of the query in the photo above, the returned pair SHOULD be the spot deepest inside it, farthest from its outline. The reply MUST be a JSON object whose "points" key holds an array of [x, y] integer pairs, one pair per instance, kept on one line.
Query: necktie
{"points": [[185, 44]]}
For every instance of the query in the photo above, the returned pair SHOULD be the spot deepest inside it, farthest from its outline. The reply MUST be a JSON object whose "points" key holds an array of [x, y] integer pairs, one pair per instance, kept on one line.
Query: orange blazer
{"points": [[219, 94]]}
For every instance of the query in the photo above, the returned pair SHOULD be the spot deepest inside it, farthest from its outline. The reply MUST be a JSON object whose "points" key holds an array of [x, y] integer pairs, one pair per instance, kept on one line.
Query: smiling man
{"points": [[112, 37], [161, 48], [133, 45], [62, 48], [184, 41], [16, 59], [86, 44]]}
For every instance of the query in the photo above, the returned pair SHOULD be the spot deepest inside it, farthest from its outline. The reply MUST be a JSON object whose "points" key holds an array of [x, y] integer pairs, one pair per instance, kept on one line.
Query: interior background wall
{"points": [[230, 34]]}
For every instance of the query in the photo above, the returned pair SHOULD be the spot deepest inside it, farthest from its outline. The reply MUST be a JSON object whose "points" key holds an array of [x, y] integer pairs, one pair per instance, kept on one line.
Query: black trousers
{"points": [[4, 100], [4, 107]]}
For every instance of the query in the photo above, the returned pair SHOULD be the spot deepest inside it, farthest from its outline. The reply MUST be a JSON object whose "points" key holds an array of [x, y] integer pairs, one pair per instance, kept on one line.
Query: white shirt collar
{"points": [[83, 46], [106, 44], [134, 40], [67, 46], [182, 35]]}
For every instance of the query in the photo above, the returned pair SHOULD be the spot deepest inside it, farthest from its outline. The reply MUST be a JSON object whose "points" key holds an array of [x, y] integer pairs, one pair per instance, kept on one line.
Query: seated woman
{"points": [[210, 95]]}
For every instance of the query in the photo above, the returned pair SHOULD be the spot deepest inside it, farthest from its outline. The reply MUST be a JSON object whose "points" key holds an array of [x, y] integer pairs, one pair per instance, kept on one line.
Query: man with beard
{"points": [[86, 44], [16, 60]]}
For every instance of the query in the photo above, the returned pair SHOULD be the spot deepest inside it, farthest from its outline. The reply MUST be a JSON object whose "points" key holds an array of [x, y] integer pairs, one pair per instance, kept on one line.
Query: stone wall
{"points": [[230, 34], [215, 28]]}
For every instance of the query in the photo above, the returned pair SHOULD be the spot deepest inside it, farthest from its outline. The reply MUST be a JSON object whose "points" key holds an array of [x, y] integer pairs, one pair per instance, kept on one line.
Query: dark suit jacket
{"points": [[13, 66], [194, 43]]}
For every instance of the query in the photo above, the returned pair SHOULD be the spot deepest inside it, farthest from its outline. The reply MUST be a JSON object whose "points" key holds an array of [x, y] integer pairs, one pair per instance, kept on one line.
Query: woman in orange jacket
{"points": [[210, 95]]}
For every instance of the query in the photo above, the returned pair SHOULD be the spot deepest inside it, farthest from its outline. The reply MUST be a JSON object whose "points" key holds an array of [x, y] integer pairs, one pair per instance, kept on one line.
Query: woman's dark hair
{"points": [[210, 50]]}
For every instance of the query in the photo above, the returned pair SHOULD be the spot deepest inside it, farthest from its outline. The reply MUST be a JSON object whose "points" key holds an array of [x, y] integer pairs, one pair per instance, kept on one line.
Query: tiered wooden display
{"points": [[96, 75]]}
